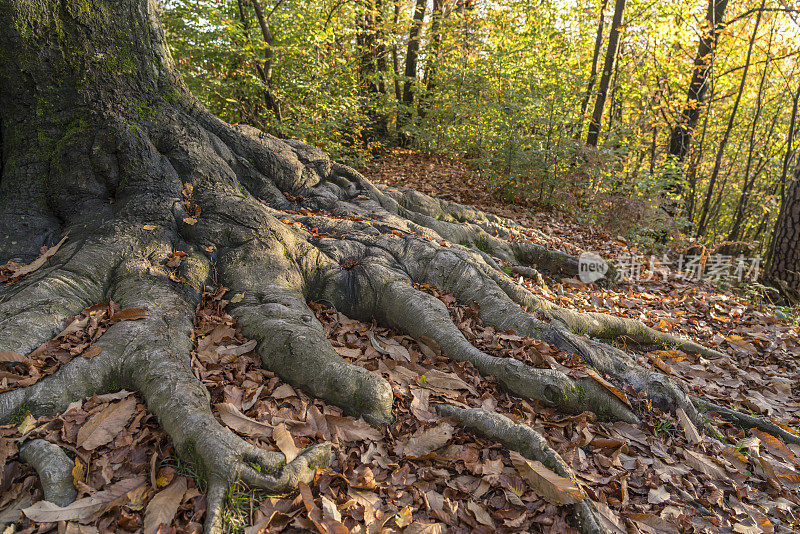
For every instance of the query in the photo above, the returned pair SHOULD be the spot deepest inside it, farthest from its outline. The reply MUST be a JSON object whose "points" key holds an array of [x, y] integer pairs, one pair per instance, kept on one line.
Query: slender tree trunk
{"points": [[683, 132], [615, 109], [694, 166], [412, 55], [653, 146], [598, 45], [398, 90], [368, 21], [380, 48], [266, 33], [747, 184], [244, 19], [432, 59], [608, 70], [701, 225]]}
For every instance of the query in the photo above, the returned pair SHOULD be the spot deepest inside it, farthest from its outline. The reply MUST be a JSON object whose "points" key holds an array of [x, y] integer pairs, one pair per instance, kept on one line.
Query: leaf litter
{"points": [[421, 473]]}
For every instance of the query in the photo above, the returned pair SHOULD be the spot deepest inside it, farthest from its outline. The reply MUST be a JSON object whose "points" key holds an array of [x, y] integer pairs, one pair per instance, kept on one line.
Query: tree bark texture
{"points": [[608, 71]]}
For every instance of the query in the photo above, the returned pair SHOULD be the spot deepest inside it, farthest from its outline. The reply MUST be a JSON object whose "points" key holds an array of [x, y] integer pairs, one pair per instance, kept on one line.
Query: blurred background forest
{"points": [[649, 117]]}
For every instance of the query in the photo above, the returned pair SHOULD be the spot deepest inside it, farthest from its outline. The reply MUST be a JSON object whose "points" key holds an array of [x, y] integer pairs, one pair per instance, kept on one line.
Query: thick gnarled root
{"points": [[225, 459], [472, 228], [54, 469], [419, 314], [528, 443], [453, 270], [362, 250], [35, 308], [599, 325], [292, 342], [152, 356]]}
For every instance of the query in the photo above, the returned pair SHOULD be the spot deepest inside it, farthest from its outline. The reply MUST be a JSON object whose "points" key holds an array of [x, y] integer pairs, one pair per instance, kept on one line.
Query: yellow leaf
{"points": [[27, 424], [137, 498], [78, 472], [237, 298], [191, 221], [404, 517], [149, 227]]}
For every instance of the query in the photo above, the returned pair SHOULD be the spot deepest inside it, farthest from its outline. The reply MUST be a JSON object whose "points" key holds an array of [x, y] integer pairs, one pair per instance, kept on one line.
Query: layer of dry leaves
{"points": [[423, 473]]}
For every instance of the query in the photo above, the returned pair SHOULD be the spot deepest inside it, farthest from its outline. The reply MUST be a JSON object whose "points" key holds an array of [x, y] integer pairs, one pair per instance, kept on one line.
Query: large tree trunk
{"points": [[608, 70], [104, 147], [783, 268], [783, 261]]}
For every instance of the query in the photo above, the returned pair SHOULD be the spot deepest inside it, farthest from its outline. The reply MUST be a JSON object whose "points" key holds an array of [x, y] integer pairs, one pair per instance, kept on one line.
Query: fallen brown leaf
{"points": [[106, 425], [552, 487], [164, 505]]}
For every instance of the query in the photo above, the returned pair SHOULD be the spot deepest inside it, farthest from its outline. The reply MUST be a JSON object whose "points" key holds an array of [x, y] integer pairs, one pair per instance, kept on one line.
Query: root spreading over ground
{"points": [[163, 202]]}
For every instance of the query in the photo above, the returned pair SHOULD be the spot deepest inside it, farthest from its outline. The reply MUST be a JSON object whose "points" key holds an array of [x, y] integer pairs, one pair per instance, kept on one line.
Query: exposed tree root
{"points": [[529, 444], [292, 342], [54, 469], [420, 314], [280, 225], [746, 421], [33, 312], [522, 256], [527, 272], [152, 357]]}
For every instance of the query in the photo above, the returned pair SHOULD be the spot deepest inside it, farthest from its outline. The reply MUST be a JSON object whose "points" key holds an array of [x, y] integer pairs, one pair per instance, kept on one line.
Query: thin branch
{"points": [[761, 9]]}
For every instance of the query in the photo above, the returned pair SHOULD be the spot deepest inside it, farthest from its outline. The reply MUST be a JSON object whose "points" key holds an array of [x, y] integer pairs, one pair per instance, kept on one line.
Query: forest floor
{"points": [[422, 473]]}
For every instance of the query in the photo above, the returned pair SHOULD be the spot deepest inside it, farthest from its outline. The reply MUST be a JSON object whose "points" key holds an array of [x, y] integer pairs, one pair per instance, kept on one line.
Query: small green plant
{"points": [[667, 426], [186, 469], [239, 505]]}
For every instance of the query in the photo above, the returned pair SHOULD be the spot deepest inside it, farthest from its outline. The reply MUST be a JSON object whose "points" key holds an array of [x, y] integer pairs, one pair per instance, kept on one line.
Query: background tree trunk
{"points": [[398, 89], [608, 71], [406, 113], [750, 177], [701, 225], [432, 57], [598, 45], [266, 33], [371, 58], [684, 131]]}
